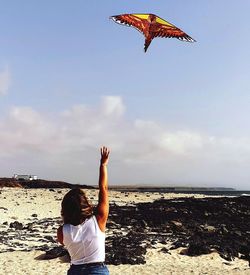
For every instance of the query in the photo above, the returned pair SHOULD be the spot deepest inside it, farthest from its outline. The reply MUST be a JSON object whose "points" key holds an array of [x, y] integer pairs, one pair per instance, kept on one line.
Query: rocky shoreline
{"points": [[39, 183], [200, 226]]}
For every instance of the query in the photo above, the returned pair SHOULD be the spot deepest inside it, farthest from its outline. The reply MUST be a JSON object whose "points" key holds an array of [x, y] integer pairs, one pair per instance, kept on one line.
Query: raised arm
{"points": [[103, 202]]}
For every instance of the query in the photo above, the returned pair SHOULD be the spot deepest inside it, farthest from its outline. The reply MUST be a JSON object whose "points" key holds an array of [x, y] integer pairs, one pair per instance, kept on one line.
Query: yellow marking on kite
{"points": [[142, 16], [161, 21]]}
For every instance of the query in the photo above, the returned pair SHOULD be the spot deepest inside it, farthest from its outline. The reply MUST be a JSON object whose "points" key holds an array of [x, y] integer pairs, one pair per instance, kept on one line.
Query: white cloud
{"points": [[4, 81], [65, 146], [181, 142], [113, 106], [25, 130]]}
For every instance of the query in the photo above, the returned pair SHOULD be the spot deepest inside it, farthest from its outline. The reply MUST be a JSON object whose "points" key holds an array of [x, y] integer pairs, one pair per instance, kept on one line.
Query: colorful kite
{"points": [[151, 26]]}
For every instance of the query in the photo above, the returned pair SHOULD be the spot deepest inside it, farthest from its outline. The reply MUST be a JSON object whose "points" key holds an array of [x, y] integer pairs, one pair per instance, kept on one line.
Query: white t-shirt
{"points": [[85, 242]]}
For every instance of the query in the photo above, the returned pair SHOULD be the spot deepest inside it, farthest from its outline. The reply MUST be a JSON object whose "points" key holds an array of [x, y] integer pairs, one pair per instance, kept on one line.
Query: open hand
{"points": [[104, 155]]}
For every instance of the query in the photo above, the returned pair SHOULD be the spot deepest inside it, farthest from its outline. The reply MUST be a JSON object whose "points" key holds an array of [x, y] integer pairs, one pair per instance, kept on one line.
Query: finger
{"points": [[105, 151]]}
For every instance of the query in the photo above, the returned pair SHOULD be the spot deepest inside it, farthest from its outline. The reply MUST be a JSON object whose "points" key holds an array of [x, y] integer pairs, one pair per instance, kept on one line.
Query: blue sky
{"points": [[72, 80]]}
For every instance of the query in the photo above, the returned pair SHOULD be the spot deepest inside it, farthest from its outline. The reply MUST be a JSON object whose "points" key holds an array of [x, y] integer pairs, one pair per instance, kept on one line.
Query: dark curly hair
{"points": [[75, 207]]}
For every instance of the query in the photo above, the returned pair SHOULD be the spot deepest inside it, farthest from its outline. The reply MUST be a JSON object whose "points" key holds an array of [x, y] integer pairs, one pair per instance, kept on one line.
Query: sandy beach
{"points": [[27, 206]]}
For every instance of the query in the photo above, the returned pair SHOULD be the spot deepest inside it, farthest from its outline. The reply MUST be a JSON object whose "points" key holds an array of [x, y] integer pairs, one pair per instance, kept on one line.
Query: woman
{"points": [[83, 234]]}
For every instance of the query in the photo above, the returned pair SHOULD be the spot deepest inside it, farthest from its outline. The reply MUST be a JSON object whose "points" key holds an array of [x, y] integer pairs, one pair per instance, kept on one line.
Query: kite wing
{"points": [[131, 20], [166, 29], [151, 26]]}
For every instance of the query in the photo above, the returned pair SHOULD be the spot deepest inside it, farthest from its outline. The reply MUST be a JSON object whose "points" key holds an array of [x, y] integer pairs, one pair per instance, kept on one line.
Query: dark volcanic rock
{"points": [[125, 250], [17, 225], [9, 182], [39, 183], [52, 184], [50, 238], [200, 225], [197, 248], [164, 250], [55, 253]]}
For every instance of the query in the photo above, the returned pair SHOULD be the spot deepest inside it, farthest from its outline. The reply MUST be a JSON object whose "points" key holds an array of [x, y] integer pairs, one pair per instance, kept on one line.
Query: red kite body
{"points": [[151, 26]]}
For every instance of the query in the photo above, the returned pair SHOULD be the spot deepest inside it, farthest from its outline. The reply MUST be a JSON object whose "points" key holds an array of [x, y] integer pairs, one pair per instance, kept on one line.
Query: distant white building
{"points": [[25, 177]]}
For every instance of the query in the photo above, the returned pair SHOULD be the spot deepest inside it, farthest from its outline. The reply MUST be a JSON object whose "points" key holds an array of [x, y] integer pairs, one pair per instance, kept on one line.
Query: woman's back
{"points": [[85, 242]]}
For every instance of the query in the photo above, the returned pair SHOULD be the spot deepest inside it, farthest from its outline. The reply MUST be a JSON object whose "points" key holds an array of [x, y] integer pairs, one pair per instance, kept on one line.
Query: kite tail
{"points": [[147, 43]]}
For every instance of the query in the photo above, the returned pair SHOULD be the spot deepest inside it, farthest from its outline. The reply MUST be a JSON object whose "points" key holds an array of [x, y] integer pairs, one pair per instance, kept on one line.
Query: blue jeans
{"points": [[88, 270]]}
